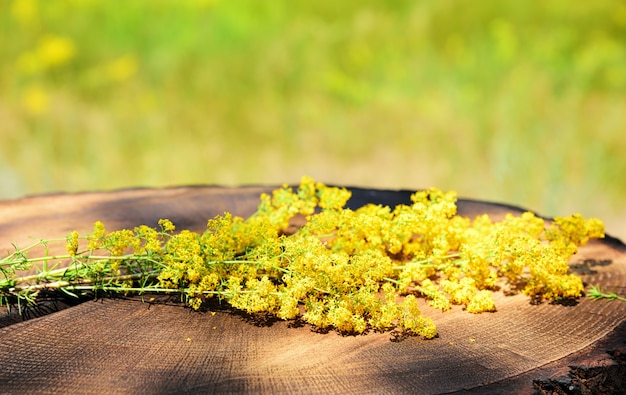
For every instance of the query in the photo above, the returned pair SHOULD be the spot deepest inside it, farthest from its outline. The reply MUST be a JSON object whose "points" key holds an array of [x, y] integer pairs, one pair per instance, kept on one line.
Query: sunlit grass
{"points": [[513, 102]]}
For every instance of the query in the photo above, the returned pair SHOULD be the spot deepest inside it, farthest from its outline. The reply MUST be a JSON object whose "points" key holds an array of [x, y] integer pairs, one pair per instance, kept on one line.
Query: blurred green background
{"points": [[517, 102]]}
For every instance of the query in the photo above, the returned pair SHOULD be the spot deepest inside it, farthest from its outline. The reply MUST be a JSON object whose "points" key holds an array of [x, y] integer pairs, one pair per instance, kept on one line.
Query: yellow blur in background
{"points": [[516, 102]]}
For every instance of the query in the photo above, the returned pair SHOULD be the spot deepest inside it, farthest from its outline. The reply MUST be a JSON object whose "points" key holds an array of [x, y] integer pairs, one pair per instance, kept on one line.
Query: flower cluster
{"points": [[349, 270]]}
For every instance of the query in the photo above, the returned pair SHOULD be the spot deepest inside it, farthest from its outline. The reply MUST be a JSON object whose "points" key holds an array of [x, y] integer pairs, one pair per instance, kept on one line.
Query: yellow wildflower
{"points": [[35, 100], [24, 11], [351, 270], [96, 238], [55, 50], [72, 243], [122, 68], [481, 302], [166, 225]]}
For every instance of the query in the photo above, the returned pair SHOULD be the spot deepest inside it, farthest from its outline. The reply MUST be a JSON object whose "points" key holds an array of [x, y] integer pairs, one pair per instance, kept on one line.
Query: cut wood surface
{"points": [[126, 346]]}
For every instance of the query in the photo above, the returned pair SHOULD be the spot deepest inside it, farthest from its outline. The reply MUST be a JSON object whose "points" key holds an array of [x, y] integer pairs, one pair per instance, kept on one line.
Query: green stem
{"points": [[391, 280], [48, 274], [80, 255], [427, 262], [8, 260], [84, 283], [595, 293], [142, 289]]}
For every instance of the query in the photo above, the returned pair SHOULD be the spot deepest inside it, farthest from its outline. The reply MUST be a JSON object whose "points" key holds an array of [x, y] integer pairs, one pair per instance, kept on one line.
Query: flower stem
{"points": [[596, 293]]}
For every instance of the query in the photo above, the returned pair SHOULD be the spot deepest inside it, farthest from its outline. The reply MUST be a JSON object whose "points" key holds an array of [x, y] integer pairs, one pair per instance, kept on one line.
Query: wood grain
{"points": [[125, 346]]}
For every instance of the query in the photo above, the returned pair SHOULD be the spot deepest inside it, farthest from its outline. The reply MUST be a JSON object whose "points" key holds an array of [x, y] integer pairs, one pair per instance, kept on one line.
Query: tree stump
{"points": [[126, 345]]}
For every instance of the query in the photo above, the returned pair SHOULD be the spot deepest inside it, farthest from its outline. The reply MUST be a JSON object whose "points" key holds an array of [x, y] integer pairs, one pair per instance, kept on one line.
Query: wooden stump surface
{"points": [[126, 346]]}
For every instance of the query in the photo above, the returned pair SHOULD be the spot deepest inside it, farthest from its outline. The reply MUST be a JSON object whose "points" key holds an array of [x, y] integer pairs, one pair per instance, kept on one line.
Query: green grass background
{"points": [[518, 102]]}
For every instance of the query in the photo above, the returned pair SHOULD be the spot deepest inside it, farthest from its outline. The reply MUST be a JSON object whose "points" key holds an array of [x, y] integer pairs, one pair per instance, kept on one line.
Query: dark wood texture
{"points": [[125, 346]]}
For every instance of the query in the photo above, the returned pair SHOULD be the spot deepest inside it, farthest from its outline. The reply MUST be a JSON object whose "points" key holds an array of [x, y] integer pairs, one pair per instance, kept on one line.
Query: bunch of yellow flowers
{"points": [[344, 269]]}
